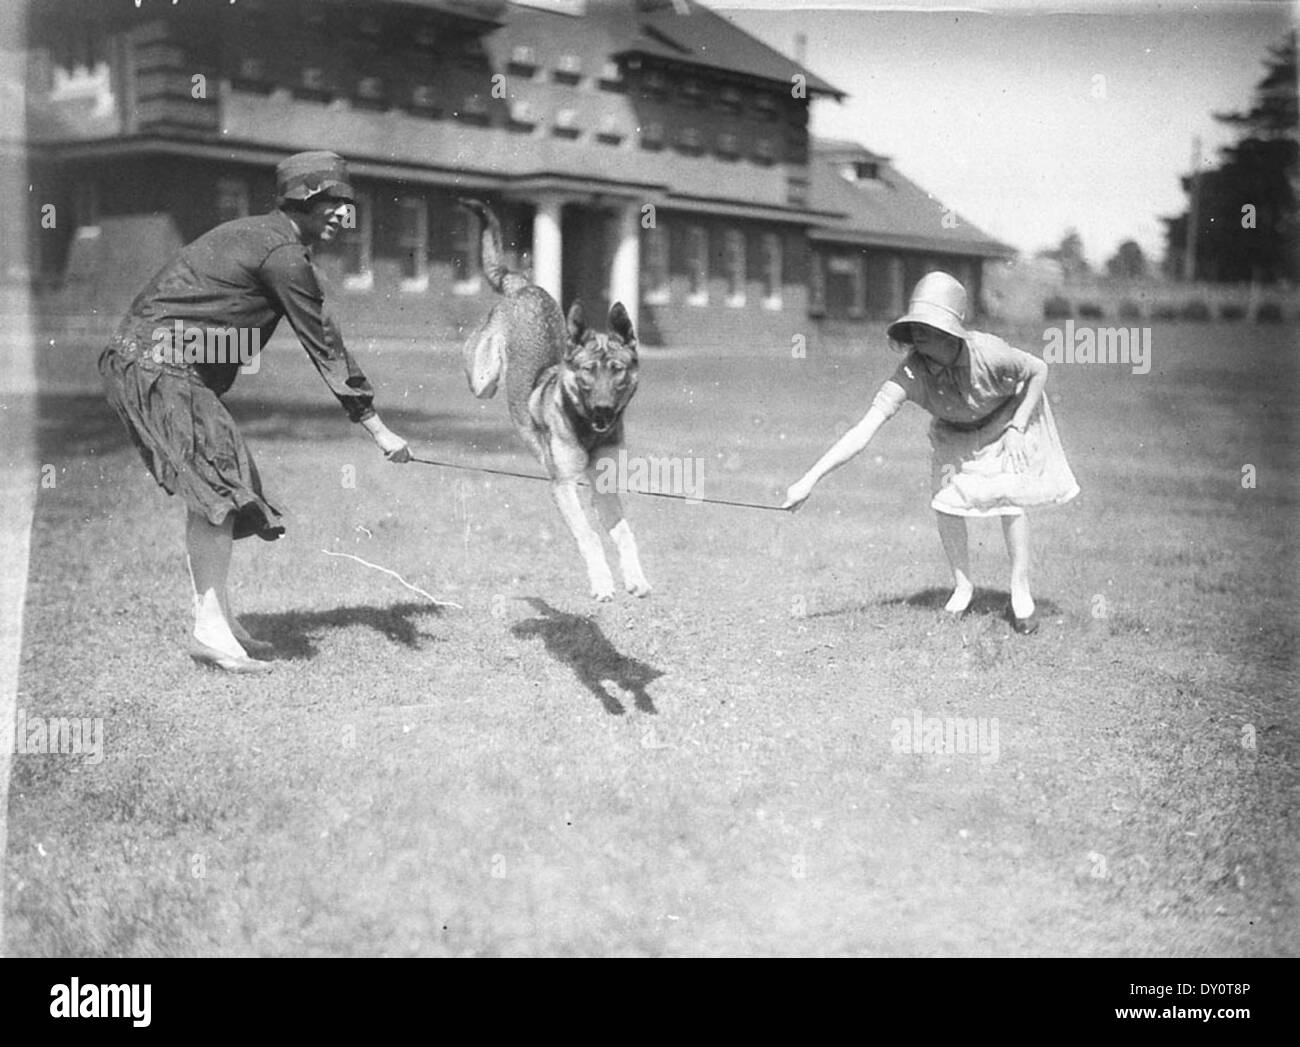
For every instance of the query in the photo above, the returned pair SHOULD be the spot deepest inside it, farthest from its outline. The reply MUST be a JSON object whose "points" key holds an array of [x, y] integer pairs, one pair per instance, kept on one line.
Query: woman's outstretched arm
{"points": [[849, 445]]}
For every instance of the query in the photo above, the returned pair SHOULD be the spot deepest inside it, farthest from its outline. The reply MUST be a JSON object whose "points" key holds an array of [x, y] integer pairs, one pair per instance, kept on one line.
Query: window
{"points": [[652, 136], [314, 83], [523, 61], [735, 262], [765, 151], [371, 93], [816, 284], [568, 70], [654, 271], [232, 199], [474, 109], [773, 284], [566, 124], [849, 268], [697, 265], [465, 270], [689, 140], [522, 116], [796, 190], [251, 75], [730, 100], [897, 286], [857, 273], [654, 84], [611, 130], [611, 77], [85, 204], [728, 144], [424, 100], [693, 92], [356, 243], [413, 242]]}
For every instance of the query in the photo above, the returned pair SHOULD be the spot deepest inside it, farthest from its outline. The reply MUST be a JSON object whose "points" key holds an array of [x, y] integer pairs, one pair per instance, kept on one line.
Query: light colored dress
{"points": [[972, 403]]}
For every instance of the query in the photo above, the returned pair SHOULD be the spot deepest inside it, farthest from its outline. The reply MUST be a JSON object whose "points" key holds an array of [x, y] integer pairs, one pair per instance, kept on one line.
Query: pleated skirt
{"points": [[188, 440]]}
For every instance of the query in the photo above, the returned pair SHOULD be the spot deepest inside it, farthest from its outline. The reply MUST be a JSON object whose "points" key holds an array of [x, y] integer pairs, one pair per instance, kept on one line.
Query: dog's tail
{"points": [[491, 254]]}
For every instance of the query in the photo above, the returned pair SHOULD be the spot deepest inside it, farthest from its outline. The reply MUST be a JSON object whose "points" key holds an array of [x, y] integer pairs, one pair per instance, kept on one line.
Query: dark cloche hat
{"points": [[307, 175]]}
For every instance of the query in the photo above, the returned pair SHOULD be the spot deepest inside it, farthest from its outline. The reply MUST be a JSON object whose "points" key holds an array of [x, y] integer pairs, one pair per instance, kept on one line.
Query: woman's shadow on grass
{"points": [[985, 602], [295, 633], [579, 643]]}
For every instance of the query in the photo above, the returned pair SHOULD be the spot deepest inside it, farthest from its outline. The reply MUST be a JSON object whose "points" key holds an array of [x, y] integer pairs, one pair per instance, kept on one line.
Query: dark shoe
{"points": [[210, 656], [1024, 626]]}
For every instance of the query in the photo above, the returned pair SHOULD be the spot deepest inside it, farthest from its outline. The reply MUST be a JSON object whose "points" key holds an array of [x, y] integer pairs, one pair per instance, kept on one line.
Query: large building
{"points": [[640, 150]]}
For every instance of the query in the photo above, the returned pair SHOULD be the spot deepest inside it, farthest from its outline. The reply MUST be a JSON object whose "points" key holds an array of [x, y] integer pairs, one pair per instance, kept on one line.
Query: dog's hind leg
{"points": [[565, 493], [609, 510], [485, 357]]}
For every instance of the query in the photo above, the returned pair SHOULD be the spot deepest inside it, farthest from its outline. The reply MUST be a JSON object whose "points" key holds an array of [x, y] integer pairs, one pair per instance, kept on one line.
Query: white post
{"points": [[625, 272], [548, 246]]}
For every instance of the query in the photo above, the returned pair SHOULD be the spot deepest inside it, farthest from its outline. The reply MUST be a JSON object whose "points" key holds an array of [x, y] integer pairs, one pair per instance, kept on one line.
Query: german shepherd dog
{"points": [[566, 389]]}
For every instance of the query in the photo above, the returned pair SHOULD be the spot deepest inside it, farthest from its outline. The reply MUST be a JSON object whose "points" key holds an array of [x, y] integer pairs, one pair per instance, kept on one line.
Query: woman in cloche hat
{"points": [[995, 447], [240, 277]]}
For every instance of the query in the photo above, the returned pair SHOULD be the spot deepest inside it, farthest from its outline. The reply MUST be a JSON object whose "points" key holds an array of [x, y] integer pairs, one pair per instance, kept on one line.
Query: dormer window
{"points": [[611, 130], [860, 171], [523, 60], [568, 70], [566, 124]]}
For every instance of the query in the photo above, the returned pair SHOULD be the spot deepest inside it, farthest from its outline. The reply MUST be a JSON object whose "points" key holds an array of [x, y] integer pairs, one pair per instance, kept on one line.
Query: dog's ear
{"points": [[621, 324], [577, 323]]}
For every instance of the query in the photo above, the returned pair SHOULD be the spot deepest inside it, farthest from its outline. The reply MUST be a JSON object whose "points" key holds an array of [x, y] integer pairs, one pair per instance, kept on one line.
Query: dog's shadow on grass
{"points": [[579, 643], [295, 633], [986, 602]]}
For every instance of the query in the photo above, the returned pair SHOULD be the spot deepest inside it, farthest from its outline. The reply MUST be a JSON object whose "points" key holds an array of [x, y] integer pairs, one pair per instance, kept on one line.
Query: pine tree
{"points": [[1248, 228]]}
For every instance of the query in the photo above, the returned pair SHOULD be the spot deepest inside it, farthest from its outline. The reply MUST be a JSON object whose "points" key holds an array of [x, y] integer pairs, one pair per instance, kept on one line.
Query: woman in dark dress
{"points": [[172, 360]]}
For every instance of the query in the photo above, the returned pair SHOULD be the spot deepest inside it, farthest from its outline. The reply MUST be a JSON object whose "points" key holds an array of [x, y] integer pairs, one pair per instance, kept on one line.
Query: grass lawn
{"points": [[711, 770]]}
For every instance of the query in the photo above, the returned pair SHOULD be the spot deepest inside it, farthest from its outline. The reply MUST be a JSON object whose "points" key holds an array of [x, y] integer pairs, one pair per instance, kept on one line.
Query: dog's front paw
{"points": [[637, 586], [602, 585]]}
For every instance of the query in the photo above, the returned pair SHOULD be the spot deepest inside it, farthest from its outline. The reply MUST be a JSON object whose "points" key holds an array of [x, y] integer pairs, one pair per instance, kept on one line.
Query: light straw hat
{"points": [[939, 301]]}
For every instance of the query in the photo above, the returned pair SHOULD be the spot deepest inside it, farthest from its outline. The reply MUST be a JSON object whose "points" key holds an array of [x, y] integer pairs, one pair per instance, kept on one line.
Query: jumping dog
{"points": [[566, 389]]}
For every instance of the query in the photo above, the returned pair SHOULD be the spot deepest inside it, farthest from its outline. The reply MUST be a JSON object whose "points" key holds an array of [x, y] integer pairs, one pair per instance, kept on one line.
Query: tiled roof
{"points": [[701, 37], [674, 30], [485, 12], [889, 210]]}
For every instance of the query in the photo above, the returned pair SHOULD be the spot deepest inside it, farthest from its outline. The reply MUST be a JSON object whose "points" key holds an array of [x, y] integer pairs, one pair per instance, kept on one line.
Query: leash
{"points": [[583, 483]]}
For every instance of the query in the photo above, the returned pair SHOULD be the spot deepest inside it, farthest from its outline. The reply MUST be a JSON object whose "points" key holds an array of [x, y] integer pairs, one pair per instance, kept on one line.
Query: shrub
{"points": [[1232, 311], [1268, 313], [1056, 308], [1090, 311], [1164, 312], [1196, 310], [1130, 310]]}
